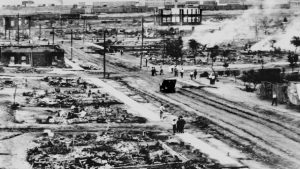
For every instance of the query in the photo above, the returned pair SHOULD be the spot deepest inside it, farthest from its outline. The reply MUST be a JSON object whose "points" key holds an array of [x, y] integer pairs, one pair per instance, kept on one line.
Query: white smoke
{"points": [[262, 25]]}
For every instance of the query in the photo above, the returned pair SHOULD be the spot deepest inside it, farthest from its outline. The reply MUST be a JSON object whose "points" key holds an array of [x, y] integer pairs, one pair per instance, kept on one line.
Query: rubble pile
{"points": [[78, 103], [100, 150], [112, 114], [197, 159]]}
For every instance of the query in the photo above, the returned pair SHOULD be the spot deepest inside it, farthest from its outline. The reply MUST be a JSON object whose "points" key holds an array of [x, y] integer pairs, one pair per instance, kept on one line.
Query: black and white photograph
{"points": [[149, 84]]}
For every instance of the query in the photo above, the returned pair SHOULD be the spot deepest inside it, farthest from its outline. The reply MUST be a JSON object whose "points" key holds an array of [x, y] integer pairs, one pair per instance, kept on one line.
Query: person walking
{"points": [[146, 62], [191, 75], [89, 93], [162, 109], [195, 74], [274, 99], [161, 72], [175, 71], [181, 72], [153, 71], [174, 124], [180, 124]]}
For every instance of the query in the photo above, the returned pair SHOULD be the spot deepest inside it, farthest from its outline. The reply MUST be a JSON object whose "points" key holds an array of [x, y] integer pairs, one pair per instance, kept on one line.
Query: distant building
{"points": [[27, 3], [294, 3], [32, 56], [159, 3], [108, 3], [79, 10], [179, 16], [120, 9], [231, 2], [210, 3], [190, 4]]}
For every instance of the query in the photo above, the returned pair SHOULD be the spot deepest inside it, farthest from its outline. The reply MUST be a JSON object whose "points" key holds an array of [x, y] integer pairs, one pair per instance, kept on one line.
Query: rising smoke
{"points": [[264, 25]]}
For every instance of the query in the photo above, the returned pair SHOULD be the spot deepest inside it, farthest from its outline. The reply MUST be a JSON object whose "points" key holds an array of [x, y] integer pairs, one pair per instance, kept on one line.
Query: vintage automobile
{"points": [[168, 86]]}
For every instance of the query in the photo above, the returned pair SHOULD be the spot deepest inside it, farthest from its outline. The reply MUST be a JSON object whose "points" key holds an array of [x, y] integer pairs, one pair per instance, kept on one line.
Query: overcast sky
{"points": [[66, 2], [90, 2]]}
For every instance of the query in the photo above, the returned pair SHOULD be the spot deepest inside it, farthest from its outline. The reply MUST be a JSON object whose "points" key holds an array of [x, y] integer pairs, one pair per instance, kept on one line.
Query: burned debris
{"points": [[107, 149]]}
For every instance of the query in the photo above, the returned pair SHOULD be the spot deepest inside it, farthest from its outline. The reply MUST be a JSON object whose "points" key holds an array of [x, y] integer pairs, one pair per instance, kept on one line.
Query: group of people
{"points": [[178, 125], [176, 71], [193, 74], [154, 71]]}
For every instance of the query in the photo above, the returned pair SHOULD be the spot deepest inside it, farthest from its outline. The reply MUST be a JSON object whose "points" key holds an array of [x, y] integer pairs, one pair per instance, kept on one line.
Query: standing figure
{"points": [[146, 62], [174, 124], [175, 71], [180, 124], [274, 99], [181, 72], [162, 109], [153, 71], [161, 72], [191, 75], [195, 74], [89, 93]]}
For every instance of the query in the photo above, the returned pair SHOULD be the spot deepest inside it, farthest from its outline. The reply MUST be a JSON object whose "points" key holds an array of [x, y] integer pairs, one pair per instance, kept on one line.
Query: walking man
{"points": [[153, 71], [195, 74], [181, 72], [191, 75], [161, 72], [274, 98], [162, 109], [180, 124]]}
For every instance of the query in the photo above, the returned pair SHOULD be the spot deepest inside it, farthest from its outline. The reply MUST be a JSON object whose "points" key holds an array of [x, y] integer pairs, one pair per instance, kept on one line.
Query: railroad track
{"points": [[259, 131], [262, 133], [286, 129]]}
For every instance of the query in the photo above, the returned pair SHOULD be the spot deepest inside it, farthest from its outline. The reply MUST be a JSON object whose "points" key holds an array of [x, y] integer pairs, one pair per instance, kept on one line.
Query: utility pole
{"points": [[40, 27], [84, 29], [141, 61], [61, 28], [29, 26], [18, 28], [164, 49], [71, 44], [104, 57], [53, 36]]}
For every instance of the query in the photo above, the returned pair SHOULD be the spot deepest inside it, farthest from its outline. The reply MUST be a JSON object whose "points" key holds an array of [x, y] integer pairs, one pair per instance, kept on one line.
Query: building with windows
{"points": [[231, 2], [294, 3], [108, 3], [179, 16], [32, 56]]}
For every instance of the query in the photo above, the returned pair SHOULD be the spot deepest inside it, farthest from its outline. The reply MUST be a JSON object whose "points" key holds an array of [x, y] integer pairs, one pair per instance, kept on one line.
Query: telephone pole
{"points": [[71, 44], [18, 28], [53, 36], [141, 61], [104, 57], [40, 27]]}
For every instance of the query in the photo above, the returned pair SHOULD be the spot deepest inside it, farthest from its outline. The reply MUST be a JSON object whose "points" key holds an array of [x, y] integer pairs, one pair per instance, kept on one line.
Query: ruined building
{"points": [[32, 56]]}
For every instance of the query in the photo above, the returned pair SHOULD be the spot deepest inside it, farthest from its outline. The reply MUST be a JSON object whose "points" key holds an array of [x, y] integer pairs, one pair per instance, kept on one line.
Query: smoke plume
{"points": [[266, 25]]}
